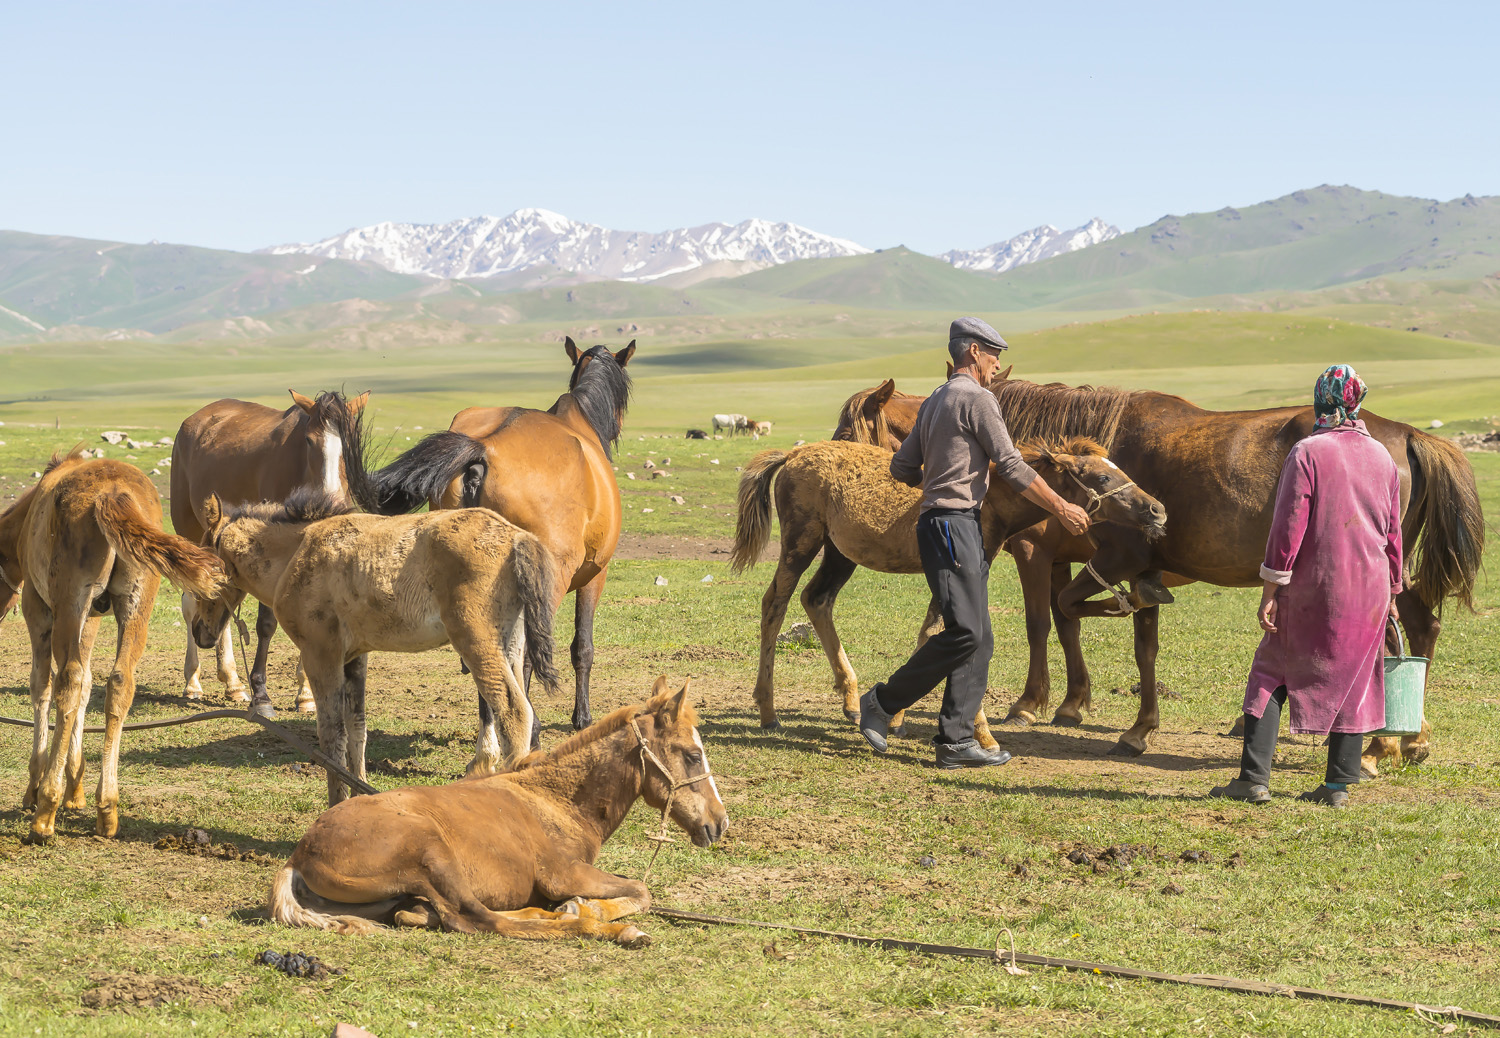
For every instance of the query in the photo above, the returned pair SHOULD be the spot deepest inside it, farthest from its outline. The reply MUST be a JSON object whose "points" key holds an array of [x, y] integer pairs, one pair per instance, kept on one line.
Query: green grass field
{"points": [[1394, 898]]}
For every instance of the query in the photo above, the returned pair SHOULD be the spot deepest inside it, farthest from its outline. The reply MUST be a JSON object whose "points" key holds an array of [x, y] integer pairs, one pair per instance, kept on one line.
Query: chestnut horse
{"points": [[514, 853], [246, 453], [548, 472], [840, 498], [85, 541], [344, 585], [1216, 472]]}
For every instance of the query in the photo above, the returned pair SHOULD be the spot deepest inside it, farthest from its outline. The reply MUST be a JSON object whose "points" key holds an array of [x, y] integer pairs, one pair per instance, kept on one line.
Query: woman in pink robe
{"points": [[1331, 575]]}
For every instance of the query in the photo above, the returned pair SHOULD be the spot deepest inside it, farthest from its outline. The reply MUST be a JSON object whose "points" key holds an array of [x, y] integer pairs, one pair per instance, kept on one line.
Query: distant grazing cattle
{"points": [[696, 434], [731, 422], [762, 428]]}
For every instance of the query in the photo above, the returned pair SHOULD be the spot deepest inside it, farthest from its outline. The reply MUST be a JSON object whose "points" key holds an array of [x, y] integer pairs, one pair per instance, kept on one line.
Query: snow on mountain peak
{"points": [[1039, 243], [485, 246]]}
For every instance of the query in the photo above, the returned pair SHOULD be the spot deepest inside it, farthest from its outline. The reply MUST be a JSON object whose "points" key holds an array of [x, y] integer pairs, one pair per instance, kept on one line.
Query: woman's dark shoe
{"points": [[1240, 789], [874, 722], [968, 754], [1324, 795]]}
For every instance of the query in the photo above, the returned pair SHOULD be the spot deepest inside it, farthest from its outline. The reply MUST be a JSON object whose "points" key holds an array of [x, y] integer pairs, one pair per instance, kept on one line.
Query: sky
{"points": [[934, 125]]}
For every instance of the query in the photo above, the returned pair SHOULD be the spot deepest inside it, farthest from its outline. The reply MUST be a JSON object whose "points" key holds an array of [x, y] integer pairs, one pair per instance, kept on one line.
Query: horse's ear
{"points": [[882, 394], [301, 401], [949, 365], [673, 709], [571, 347], [659, 686], [213, 512], [1003, 376], [623, 357], [358, 403]]}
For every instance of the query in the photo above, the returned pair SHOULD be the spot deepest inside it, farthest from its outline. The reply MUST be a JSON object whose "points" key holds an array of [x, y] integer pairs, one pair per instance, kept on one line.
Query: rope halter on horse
{"points": [[6, 578], [1121, 597], [673, 785], [1096, 499]]}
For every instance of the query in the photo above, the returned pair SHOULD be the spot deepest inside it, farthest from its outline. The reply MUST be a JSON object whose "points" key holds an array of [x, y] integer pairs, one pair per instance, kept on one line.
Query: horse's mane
{"points": [[303, 505], [1035, 450], [605, 727], [601, 393], [1054, 410], [861, 429]]}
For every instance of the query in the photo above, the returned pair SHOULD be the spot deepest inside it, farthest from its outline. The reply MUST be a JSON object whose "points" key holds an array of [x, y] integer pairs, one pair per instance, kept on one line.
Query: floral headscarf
{"points": [[1337, 396]]}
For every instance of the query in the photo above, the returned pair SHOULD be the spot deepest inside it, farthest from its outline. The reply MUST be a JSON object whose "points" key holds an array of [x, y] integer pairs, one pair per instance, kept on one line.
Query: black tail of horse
{"points": [[416, 477], [1445, 511], [536, 577]]}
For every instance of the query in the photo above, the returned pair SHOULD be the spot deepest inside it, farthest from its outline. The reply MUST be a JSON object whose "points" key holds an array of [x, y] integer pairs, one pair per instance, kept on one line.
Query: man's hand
{"points": [[1394, 613], [1267, 612], [1074, 519]]}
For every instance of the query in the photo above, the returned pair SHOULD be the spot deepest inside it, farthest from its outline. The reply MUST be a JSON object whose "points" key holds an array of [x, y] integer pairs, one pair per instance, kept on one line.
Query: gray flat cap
{"points": [[974, 328]]}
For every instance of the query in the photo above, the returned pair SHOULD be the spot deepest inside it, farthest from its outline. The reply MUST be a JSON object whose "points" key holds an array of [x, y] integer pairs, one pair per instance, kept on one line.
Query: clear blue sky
{"points": [[936, 125]]}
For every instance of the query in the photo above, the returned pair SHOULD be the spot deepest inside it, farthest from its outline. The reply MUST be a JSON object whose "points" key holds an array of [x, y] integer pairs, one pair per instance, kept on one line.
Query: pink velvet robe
{"points": [[1335, 545]]}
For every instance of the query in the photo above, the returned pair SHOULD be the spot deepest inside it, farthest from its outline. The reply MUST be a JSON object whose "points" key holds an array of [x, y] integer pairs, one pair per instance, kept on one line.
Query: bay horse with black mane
{"points": [[548, 472], [1216, 473], [246, 453], [87, 540]]}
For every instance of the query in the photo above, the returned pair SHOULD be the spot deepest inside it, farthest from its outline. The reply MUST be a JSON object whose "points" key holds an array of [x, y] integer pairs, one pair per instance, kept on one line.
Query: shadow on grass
{"points": [[138, 830]]}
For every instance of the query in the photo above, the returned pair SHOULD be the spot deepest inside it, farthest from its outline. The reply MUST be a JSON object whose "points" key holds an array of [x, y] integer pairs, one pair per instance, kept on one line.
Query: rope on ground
{"points": [[317, 756], [1202, 980]]}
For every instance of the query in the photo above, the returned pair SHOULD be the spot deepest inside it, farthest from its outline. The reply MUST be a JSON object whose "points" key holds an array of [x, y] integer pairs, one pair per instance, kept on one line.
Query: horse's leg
{"points": [[265, 629], [1079, 699], [229, 677], [1422, 629], [592, 892], [1033, 566], [352, 702], [75, 800], [505, 714], [132, 615], [1133, 743], [585, 602], [306, 704], [192, 685], [70, 693], [325, 672], [818, 599], [797, 553], [39, 621]]}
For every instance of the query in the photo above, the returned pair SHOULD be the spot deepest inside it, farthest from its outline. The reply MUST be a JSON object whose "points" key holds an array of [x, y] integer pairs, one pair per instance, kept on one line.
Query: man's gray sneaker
{"points": [[1240, 789], [968, 754], [874, 722]]}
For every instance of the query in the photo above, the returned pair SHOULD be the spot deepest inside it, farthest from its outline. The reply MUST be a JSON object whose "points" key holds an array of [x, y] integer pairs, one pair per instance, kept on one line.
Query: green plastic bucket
{"points": [[1405, 683]]}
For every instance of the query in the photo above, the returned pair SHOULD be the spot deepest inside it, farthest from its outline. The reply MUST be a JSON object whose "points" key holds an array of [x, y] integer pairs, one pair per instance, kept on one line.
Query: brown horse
{"points": [[514, 853], [840, 499], [246, 453], [883, 416], [1216, 471], [548, 472], [85, 541], [344, 585]]}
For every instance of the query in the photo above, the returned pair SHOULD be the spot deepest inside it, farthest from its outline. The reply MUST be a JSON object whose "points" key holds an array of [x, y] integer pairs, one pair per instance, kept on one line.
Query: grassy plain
{"points": [[1396, 897]]}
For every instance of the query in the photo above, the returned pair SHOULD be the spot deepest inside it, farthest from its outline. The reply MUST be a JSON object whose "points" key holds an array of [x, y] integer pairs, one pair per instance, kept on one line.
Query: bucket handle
{"points": [[1400, 641]]}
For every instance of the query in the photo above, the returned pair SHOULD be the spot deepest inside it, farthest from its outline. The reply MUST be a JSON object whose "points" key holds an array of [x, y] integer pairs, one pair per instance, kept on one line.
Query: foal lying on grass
{"points": [[495, 854], [344, 585]]}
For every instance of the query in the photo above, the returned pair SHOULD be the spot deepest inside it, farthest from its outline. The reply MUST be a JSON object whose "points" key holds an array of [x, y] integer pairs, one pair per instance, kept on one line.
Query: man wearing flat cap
{"points": [[958, 433]]}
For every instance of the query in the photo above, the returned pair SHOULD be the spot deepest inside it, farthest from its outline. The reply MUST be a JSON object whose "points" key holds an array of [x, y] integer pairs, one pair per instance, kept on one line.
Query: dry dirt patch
{"points": [[144, 991]]}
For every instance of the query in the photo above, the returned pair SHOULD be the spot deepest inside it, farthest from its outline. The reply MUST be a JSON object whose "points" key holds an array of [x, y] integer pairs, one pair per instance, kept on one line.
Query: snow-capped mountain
{"points": [[1040, 243], [488, 245]]}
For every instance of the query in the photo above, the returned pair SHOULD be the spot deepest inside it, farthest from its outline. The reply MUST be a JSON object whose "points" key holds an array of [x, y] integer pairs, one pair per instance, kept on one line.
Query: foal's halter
{"points": [[673, 785], [8, 584], [1121, 598], [1096, 499]]}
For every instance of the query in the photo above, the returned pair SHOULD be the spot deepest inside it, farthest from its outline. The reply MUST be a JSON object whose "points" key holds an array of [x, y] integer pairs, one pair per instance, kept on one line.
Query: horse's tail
{"points": [[1445, 511], [536, 578], [752, 530], [135, 537], [288, 911], [416, 477]]}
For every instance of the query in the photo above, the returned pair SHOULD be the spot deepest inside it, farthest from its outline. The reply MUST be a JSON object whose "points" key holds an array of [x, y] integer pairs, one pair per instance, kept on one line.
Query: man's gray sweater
{"points": [[958, 432]]}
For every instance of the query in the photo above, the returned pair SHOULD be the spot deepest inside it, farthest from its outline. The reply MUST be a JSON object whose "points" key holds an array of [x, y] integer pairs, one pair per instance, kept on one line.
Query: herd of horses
{"points": [[525, 509]]}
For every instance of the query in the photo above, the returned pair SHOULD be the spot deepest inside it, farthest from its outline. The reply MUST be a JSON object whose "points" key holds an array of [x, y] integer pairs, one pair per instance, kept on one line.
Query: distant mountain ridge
{"points": [[1031, 246], [486, 246]]}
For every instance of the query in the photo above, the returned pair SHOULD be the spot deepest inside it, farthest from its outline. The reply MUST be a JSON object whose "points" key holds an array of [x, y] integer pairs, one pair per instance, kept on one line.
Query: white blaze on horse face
{"points": [[698, 742], [1111, 464], [333, 449]]}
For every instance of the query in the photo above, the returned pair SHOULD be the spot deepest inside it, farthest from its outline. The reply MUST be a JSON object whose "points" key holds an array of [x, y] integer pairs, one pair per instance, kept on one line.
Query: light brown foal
{"points": [[513, 853], [246, 453], [85, 541]]}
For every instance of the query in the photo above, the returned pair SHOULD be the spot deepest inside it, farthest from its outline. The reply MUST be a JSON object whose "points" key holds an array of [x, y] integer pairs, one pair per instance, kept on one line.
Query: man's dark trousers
{"points": [[1260, 747], [952, 550]]}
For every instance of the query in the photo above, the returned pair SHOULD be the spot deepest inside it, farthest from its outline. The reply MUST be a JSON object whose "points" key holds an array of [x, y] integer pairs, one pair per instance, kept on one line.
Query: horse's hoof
{"points": [[633, 939], [266, 710], [1415, 754], [851, 715], [307, 706], [898, 733], [1125, 749], [1061, 720], [1369, 767], [580, 723], [37, 839], [192, 695], [1020, 719], [771, 725]]}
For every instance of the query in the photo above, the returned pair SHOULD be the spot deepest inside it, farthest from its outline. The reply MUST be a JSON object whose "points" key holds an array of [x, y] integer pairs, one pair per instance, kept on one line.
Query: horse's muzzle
{"points": [[709, 833]]}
